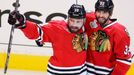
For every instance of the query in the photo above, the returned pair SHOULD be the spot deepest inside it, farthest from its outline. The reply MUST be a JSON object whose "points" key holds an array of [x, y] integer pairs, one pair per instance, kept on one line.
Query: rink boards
{"points": [[32, 62]]}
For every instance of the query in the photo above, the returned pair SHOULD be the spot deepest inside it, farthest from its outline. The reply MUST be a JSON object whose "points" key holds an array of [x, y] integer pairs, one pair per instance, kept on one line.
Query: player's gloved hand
{"points": [[16, 19]]}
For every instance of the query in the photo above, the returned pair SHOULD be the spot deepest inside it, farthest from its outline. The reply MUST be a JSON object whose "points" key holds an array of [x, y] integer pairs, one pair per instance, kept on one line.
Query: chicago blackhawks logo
{"points": [[80, 42], [99, 41]]}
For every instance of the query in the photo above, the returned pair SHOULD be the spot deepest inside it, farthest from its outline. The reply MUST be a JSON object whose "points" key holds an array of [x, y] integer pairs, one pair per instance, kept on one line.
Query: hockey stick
{"points": [[76, 1], [10, 41]]}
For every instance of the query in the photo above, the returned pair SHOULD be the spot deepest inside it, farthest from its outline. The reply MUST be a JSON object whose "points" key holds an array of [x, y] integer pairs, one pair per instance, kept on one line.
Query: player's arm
{"points": [[30, 29], [122, 53]]}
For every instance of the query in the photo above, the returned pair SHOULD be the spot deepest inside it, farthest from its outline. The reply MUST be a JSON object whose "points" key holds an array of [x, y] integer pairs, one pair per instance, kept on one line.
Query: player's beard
{"points": [[102, 21], [73, 29]]}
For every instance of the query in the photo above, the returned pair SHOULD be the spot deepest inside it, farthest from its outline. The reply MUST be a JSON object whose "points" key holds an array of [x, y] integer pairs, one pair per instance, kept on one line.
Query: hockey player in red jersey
{"points": [[68, 40], [108, 52]]}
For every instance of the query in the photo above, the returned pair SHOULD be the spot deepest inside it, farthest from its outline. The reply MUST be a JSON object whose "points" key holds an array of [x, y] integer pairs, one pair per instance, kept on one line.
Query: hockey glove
{"points": [[17, 19]]}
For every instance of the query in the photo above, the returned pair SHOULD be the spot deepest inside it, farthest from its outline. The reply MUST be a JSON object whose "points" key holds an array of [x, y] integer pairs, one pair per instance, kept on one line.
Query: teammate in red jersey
{"points": [[108, 52], [68, 40]]}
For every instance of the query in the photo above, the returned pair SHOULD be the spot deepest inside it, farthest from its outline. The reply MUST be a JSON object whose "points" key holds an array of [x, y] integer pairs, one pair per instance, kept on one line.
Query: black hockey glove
{"points": [[17, 19]]}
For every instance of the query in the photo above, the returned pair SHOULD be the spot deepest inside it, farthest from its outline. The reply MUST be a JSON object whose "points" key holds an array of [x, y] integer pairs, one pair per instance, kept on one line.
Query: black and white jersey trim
{"points": [[77, 70], [40, 38], [125, 61], [98, 70]]}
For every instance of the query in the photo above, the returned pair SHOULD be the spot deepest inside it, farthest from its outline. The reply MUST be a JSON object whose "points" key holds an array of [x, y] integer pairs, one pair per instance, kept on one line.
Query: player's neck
{"points": [[107, 23]]}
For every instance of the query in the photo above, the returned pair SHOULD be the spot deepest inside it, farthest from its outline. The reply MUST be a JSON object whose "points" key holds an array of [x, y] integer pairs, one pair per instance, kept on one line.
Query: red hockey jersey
{"points": [[108, 52], [65, 59]]}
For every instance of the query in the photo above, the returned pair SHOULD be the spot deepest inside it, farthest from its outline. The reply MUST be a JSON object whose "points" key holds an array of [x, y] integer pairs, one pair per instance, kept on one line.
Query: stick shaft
{"points": [[9, 49], [76, 1], [16, 5], [10, 41]]}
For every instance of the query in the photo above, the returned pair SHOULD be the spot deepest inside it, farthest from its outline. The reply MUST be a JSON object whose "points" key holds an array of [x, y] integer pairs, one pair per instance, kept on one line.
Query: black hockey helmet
{"points": [[77, 11], [106, 5]]}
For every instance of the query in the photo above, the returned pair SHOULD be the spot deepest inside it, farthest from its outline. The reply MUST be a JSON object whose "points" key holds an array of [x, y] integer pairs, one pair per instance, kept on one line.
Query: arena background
{"points": [[25, 55]]}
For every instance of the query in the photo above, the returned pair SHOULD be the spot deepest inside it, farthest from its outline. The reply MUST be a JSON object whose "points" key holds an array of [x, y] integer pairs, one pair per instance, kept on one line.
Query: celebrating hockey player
{"points": [[68, 39], [108, 52]]}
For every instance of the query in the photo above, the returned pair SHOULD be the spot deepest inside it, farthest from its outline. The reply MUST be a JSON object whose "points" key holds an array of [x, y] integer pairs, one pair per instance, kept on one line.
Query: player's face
{"points": [[102, 16], [75, 24]]}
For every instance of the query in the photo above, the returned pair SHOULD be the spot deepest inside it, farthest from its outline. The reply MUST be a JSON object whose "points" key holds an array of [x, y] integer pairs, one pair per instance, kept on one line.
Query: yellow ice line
{"points": [[25, 62], [33, 62]]}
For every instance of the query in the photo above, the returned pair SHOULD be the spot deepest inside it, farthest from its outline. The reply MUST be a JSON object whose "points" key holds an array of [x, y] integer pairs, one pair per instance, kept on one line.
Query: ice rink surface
{"points": [[22, 72]]}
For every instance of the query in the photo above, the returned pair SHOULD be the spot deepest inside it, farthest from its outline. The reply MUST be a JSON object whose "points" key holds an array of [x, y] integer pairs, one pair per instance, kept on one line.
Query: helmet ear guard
{"points": [[77, 11], [105, 5]]}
